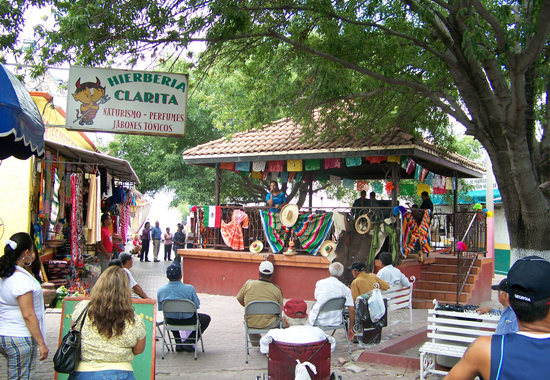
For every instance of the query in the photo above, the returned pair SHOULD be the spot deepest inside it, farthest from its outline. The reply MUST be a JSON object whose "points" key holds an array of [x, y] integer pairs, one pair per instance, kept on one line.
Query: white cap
{"points": [[266, 267]]}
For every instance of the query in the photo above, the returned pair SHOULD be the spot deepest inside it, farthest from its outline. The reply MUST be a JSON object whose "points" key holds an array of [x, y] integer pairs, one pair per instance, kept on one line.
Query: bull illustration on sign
{"points": [[91, 95]]}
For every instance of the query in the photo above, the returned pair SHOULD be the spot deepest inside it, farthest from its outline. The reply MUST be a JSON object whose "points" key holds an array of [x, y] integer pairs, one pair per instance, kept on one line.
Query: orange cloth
{"points": [[232, 233]]}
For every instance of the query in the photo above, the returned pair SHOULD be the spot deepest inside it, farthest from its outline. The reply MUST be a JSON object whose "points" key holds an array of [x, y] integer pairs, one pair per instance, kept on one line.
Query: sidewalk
{"points": [[224, 356]]}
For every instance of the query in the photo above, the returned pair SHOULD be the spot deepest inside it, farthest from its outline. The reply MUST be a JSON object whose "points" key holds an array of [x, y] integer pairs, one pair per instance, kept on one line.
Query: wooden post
{"points": [[218, 184], [310, 192], [395, 168]]}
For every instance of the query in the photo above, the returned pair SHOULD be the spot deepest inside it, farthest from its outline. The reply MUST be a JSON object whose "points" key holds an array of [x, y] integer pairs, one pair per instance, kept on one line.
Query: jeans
{"points": [[113, 374]]}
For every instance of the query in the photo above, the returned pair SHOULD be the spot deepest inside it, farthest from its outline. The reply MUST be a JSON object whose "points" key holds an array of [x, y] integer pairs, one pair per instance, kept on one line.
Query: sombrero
{"points": [[289, 215], [363, 224], [327, 248], [256, 246]]}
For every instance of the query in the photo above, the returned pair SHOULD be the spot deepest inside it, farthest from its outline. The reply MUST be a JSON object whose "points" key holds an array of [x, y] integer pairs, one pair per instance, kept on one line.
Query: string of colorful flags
{"points": [[298, 170]]}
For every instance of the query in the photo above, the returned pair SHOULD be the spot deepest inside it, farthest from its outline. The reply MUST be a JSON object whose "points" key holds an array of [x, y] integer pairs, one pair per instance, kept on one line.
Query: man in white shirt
{"points": [[295, 318], [126, 260], [391, 274], [327, 289]]}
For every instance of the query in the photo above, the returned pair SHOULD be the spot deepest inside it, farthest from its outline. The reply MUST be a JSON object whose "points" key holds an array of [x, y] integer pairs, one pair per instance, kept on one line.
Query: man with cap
{"points": [[295, 318], [522, 355], [179, 242], [177, 290], [363, 283], [261, 290], [508, 322]]}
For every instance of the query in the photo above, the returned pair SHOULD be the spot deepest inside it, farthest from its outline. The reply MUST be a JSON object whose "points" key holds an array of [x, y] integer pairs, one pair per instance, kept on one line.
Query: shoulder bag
{"points": [[68, 353]]}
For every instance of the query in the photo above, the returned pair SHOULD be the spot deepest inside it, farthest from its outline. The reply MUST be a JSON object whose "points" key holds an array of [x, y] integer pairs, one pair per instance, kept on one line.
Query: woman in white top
{"points": [[168, 245], [22, 328]]}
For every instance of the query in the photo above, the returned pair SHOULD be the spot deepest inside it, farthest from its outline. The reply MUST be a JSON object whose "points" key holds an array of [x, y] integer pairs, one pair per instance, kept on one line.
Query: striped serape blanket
{"points": [[310, 230], [411, 232]]}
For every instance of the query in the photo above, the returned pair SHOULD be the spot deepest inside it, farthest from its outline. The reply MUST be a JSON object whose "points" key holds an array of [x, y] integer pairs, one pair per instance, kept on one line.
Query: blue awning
{"points": [[21, 126], [471, 197]]}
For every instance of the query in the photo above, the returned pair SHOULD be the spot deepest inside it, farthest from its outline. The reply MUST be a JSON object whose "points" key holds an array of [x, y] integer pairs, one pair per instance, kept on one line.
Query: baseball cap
{"points": [[295, 308], [358, 266], [173, 272], [266, 267], [503, 285], [529, 279]]}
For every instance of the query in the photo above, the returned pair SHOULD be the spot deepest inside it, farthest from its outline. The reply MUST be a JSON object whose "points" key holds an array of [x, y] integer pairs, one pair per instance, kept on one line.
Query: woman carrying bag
{"points": [[22, 329], [112, 333]]}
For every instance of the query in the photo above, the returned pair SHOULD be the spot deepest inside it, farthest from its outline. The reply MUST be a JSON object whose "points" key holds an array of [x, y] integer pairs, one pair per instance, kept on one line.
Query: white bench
{"points": [[399, 298], [451, 333]]}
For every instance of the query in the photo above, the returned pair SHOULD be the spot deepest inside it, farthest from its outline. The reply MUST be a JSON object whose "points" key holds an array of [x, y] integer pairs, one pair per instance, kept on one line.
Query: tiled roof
{"points": [[283, 139]]}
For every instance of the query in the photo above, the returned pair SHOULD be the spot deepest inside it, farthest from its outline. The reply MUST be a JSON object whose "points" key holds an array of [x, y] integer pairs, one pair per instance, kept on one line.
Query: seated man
{"points": [[391, 274], [327, 289], [261, 290], [363, 283], [176, 290], [295, 318], [523, 355], [508, 322], [127, 263]]}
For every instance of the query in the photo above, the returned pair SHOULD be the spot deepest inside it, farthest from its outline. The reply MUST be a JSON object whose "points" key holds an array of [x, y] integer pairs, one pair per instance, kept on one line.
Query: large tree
{"points": [[482, 62]]}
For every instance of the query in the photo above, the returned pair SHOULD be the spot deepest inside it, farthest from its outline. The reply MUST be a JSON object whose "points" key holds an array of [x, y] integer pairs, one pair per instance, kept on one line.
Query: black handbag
{"points": [[68, 353]]}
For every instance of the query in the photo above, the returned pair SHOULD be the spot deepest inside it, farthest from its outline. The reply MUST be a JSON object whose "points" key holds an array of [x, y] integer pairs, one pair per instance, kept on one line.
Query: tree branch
{"points": [[533, 50], [492, 20]]}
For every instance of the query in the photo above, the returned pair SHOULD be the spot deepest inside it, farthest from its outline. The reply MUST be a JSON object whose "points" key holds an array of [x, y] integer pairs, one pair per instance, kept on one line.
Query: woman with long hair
{"points": [[112, 332], [22, 329]]}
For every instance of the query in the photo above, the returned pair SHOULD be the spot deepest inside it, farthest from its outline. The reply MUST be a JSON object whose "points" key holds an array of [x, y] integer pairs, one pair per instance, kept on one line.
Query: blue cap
{"points": [[173, 272]]}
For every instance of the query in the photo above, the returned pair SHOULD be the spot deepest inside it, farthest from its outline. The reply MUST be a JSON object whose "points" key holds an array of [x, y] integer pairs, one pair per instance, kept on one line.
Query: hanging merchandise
{"points": [[410, 166], [258, 166], [406, 189], [257, 175], [284, 177], [405, 162], [321, 177], [353, 161], [55, 199], [242, 166], [93, 217], [232, 233], [227, 165], [332, 163], [77, 236], [299, 176], [449, 183], [264, 175], [348, 183], [420, 188], [274, 176], [423, 174], [377, 187], [394, 159], [309, 177], [376, 159], [429, 179], [389, 187], [275, 166], [291, 177], [417, 172], [294, 165], [335, 181], [314, 164], [362, 185], [213, 216]]}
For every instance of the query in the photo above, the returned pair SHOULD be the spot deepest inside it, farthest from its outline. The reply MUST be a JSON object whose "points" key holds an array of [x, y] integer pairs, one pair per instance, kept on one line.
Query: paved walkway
{"points": [[224, 356]]}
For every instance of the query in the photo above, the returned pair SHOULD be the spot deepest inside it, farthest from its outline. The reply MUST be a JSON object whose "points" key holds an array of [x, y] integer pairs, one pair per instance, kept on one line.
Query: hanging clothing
{"points": [[232, 232], [339, 220], [77, 235]]}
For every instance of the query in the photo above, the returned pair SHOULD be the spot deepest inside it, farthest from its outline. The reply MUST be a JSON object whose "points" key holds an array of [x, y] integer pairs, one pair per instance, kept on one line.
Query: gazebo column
{"points": [[310, 195], [217, 184], [395, 168]]}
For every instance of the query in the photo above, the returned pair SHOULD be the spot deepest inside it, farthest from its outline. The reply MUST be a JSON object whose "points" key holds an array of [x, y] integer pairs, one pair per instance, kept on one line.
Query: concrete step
{"points": [[438, 285], [446, 268], [444, 277], [451, 260], [440, 295]]}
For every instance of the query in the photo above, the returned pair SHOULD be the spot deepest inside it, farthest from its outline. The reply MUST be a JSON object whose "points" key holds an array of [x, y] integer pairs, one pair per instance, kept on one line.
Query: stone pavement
{"points": [[224, 356]]}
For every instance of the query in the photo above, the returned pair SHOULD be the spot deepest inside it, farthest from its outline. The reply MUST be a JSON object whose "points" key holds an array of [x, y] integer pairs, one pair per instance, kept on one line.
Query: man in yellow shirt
{"points": [[363, 283]]}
